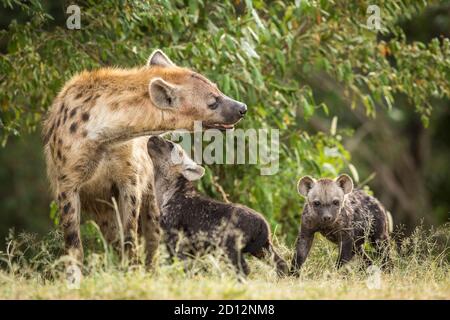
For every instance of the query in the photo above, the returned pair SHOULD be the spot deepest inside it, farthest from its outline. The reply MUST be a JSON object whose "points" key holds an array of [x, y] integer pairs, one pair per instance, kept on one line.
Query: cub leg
{"points": [[302, 248], [238, 261], [346, 252], [280, 264], [235, 255], [382, 249], [362, 253]]}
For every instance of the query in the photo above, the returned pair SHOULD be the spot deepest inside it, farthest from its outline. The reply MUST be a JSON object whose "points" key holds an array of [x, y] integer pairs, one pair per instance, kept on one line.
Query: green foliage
{"points": [[269, 55]]}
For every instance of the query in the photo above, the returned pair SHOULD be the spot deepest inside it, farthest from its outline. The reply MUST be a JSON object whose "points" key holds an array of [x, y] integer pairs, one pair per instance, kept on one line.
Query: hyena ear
{"points": [[305, 184], [158, 58], [193, 172], [345, 182], [162, 94]]}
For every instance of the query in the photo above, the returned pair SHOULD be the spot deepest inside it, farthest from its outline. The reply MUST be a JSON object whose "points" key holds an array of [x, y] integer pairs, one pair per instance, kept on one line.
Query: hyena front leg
{"points": [[69, 206], [150, 218], [129, 208], [302, 248]]}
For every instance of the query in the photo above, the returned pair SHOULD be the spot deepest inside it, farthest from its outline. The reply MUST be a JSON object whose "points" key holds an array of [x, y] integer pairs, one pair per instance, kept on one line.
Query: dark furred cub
{"points": [[204, 223], [344, 216]]}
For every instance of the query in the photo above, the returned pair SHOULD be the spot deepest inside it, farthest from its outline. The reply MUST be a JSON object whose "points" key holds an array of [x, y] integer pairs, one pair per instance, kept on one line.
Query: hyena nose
{"points": [[242, 109], [326, 218]]}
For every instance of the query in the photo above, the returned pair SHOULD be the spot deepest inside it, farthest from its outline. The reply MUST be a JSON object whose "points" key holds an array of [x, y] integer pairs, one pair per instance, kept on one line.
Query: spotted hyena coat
{"points": [[344, 216], [95, 149], [194, 224]]}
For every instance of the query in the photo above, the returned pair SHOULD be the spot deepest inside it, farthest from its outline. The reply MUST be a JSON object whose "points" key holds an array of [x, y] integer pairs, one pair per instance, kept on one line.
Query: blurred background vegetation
{"points": [[374, 104]]}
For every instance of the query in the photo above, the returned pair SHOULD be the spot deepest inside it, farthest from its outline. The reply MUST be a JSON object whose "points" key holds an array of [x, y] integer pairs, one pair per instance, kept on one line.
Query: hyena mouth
{"points": [[220, 126]]}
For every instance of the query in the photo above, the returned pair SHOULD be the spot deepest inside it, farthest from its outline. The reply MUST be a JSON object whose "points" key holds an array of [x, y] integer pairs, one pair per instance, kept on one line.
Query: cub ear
{"points": [[162, 94], [345, 182], [158, 58], [193, 172], [305, 184]]}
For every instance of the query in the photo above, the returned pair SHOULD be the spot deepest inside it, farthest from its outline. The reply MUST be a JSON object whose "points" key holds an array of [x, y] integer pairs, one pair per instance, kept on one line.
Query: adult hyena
{"points": [[93, 147]]}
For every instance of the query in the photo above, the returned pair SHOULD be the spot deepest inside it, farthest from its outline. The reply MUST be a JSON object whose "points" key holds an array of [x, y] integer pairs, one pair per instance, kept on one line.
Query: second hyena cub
{"points": [[344, 216], [204, 223]]}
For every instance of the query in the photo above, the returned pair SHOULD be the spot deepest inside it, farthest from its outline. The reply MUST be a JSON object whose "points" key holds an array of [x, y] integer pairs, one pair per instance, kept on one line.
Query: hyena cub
{"points": [[204, 223], [344, 216]]}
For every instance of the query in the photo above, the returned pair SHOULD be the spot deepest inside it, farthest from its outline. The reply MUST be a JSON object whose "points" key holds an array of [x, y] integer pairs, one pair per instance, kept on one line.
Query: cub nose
{"points": [[242, 109], [326, 218]]}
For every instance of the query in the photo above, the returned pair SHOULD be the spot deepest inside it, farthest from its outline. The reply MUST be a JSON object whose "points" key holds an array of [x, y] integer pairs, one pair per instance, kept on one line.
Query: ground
{"points": [[420, 271], [142, 286]]}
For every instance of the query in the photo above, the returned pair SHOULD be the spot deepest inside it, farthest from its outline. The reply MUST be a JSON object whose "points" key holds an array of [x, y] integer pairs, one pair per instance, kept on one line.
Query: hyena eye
{"points": [[316, 203], [336, 202], [214, 105]]}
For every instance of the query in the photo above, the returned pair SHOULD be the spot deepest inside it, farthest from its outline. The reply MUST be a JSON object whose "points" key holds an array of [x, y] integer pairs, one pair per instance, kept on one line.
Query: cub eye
{"points": [[336, 202], [214, 105], [171, 145], [316, 203]]}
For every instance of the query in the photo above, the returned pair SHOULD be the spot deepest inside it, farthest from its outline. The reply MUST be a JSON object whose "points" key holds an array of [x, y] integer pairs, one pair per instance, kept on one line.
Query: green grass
{"points": [[33, 269]]}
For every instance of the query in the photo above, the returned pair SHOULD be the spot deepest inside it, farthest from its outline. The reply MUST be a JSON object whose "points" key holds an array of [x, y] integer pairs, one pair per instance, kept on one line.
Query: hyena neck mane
{"points": [[169, 188]]}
